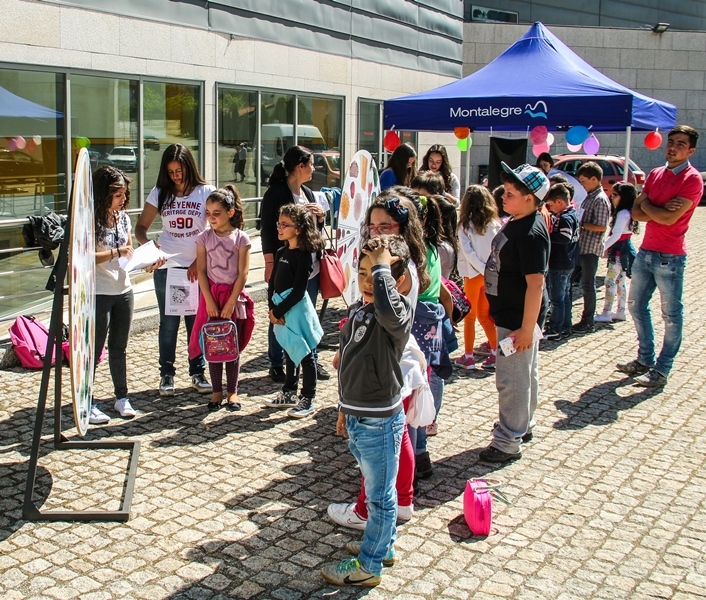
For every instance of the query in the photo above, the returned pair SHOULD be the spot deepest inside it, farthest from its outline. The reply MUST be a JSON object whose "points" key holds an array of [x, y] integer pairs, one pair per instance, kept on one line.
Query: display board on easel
{"points": [[361, 186], [77, 260]]}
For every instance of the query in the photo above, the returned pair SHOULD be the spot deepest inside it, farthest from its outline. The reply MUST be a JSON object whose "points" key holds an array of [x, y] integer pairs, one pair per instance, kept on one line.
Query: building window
{"points": [[319, 127], [370, 128]]}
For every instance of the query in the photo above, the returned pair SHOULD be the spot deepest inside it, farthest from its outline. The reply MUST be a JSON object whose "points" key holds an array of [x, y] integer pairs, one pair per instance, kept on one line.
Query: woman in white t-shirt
{"points": [[180, 199]]}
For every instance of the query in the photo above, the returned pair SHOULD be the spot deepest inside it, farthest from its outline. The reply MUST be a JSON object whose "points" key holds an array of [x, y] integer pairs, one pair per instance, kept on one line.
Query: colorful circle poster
{"points": [[82, 291], [361, 186]]}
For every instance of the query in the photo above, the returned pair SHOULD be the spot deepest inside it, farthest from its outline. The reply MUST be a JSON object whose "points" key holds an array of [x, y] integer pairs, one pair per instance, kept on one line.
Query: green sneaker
{"points": [[354, 549], [349, 572]]}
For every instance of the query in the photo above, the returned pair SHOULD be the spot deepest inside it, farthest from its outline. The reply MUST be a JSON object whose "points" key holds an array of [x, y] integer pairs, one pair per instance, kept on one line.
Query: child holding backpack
{"points": [[114, 297], [290, 305], [222, 263]]}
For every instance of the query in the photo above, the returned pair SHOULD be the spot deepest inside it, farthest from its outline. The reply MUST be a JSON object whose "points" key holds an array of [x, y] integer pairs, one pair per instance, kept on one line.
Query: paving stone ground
{"points": [[607, 501]]}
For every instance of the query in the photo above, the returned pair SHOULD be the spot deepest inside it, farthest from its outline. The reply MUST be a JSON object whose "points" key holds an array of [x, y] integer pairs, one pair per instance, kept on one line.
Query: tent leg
{"points": [[626, 169]]}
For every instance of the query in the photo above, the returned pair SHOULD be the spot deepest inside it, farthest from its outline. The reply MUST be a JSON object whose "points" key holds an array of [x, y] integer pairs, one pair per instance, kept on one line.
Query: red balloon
{"points": [[653, 140], [462, 132], [391, 141], [31, 146]]}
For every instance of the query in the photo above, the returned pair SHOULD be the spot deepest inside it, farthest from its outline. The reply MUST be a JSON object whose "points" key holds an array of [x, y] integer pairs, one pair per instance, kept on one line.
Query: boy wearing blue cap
{"points": [[514, 286]]}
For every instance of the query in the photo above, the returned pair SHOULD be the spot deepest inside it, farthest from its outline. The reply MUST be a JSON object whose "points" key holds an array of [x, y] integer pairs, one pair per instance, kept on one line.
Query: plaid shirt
{"points": [[596, 211]]}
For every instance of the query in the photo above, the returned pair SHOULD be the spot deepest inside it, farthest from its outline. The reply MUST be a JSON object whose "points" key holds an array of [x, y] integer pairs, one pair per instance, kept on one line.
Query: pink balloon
{"points": [[591, 145], [11, 145], [538, 135], [31, 146], [573, 147], [20, 142], [538, 149]]}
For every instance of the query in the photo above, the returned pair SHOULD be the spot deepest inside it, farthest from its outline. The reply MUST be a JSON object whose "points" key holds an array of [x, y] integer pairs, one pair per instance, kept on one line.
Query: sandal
{"points": [[233, 405], [215, 405]]}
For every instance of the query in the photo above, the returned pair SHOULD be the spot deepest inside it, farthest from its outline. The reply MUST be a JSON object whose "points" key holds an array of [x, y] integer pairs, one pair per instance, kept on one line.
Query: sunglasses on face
{"points": [[279, 225]]}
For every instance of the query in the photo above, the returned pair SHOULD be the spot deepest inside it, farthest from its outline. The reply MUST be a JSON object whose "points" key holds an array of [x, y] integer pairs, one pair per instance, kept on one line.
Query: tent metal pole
{"points": [[626, 168], [468, 171]]}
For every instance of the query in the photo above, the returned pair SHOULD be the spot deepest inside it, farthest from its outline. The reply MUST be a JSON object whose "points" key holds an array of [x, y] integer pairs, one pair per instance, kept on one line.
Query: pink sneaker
{"points": [[483, 350], [466, 361], [489, 363]]}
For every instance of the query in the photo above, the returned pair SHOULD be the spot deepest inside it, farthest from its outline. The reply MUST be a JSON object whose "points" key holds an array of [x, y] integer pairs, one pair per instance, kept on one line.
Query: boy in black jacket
{"points": [[564, 238], [370, 405]]}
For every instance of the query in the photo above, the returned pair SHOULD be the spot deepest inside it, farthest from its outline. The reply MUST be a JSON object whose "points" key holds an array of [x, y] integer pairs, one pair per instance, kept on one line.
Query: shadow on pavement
{"points": [[13, 478], [601, 404]]}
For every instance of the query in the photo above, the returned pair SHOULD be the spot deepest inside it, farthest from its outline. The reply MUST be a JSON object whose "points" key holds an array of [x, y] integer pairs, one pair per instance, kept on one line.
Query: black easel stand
{"points": [[30, 512]]}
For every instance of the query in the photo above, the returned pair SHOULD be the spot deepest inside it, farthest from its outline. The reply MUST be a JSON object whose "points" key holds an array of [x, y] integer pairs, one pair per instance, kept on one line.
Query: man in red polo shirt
{"points": [[667, 202]]}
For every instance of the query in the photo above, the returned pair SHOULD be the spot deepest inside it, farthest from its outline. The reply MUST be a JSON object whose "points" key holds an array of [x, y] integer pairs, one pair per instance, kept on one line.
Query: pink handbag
{"points": [[478, 504]]}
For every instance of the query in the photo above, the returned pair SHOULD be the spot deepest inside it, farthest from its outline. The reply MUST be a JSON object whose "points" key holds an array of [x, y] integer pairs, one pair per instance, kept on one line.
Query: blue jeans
{"points": [[375, 443], [169, 329], [666, 272], [589, 267], [559, 288], [436, 385], [275, 352]]}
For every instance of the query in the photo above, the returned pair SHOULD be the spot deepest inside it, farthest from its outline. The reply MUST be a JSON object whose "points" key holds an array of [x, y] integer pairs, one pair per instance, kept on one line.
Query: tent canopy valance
{"points": [[536, 81]]}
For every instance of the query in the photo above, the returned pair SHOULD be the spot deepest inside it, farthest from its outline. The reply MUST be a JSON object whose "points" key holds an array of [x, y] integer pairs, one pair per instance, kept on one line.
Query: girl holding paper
{"points": [[114, 298], [180, 199]]}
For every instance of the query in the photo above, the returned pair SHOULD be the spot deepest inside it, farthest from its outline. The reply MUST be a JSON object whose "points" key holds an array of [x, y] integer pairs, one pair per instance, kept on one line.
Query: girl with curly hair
{"points": [[114, 297], [297, 228]]}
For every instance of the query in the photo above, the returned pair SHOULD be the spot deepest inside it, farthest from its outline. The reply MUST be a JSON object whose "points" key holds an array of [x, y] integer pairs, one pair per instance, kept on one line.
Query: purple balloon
{"points": [[591, 145]]}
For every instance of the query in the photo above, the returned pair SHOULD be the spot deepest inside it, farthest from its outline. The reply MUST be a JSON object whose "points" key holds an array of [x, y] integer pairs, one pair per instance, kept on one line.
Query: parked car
{"points": [[125, 158], [613, 168], [327, 170], [18, 164], [99, 159], [150, 142]]}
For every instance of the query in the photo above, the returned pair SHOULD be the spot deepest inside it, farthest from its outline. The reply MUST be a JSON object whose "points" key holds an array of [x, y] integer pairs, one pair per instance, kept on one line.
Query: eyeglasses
{"points": [[382, 229], [279, 225]]}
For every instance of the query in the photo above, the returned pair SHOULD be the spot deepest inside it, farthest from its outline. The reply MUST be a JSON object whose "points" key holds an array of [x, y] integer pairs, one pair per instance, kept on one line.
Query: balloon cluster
{"points": [[463, 135], [580, 136], [20, 143]]}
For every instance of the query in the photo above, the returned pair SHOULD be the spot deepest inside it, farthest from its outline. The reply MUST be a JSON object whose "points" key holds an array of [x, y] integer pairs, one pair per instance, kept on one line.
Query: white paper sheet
{"points": [[182, 295], [143, 256]]}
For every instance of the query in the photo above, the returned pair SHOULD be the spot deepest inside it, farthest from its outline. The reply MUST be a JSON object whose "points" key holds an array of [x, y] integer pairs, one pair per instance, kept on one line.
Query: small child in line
{"points": [[564, 238], [222, 263], [620, 251], [289, 303], [478, 226], [370, 406]]}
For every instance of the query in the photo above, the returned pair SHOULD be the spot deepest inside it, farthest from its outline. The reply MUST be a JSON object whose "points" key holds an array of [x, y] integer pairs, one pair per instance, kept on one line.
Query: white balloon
{"points": [[550, 139]]}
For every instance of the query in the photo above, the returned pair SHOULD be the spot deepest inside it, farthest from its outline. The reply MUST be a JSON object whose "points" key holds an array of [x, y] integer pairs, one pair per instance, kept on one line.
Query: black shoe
{"points": [[527, 437], [652, 378], [422, 466], [582, 328], [493, 455], [551, 334], [321, 373], [277, 374], [634, 367]]}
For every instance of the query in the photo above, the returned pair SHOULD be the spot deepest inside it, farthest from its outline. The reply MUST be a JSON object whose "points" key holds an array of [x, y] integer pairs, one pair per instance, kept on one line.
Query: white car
{"points": [[125, 158]]}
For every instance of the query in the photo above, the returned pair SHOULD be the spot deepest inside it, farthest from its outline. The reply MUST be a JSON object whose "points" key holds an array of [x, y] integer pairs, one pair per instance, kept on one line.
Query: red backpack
{"points": [[30, 338]]}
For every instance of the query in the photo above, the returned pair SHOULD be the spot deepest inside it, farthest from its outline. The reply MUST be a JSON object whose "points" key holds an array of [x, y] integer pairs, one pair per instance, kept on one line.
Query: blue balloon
{"points": [[577, 135]]}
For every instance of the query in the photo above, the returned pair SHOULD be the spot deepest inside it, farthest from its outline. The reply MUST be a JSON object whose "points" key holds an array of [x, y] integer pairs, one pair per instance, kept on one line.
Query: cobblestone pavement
{"points": [[607, 501]]}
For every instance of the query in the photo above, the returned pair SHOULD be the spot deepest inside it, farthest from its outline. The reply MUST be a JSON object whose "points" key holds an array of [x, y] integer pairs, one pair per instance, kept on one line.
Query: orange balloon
{"points": [[462, 132]]}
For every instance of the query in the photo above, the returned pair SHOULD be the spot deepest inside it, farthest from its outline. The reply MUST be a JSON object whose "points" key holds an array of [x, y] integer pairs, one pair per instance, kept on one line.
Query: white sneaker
{"points": [[603, 318], [404, 513], [618, 316], [96, 417], [122, 405], [344, 514]]}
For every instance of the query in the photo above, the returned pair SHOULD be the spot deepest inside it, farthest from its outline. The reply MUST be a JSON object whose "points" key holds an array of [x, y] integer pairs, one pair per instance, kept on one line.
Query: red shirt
{"points": [[661, 186]]}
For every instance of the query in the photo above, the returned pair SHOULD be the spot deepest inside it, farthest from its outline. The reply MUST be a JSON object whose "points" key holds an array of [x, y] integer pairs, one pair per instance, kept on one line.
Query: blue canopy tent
{"points": [[12, 105], [536, 81]]}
